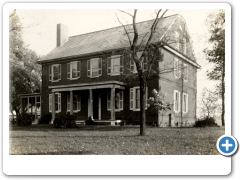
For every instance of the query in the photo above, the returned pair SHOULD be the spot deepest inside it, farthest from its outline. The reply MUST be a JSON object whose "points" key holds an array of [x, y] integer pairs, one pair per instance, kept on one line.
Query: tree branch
{"points": [[125, 12]]}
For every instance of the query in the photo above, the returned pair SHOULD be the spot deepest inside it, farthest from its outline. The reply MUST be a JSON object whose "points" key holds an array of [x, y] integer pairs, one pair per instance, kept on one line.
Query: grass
{"points": [[113, 140]]}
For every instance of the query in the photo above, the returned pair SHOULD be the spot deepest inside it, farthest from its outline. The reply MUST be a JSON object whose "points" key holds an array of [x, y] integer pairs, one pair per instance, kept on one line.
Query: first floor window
{"points": [[73, 70], [76, 102], [57, 102], [176, 99], [55, 72], [94, 67], [135, 98], [118, 100], [185, 102]]}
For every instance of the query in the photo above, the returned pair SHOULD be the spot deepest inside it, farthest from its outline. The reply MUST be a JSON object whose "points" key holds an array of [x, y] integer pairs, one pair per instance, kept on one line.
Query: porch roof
{"points": [[30, 95], [91, 85]]}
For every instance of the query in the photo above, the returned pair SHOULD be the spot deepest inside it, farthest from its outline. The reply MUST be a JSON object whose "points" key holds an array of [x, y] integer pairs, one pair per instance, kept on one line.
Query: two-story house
{"points": [[85, 75]]}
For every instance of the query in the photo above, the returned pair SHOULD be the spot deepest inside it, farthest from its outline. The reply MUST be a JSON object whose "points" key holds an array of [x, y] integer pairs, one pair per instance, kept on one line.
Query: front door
{"points": [[95, 105]]}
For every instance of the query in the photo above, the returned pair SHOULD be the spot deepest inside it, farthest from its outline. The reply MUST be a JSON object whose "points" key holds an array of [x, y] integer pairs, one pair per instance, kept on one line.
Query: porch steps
{"points": [[80, 122], [98, 122]]}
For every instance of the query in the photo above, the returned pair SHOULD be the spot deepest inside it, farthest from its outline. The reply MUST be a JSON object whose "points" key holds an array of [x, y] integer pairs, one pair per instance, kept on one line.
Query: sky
{"points": [[40, 30]]}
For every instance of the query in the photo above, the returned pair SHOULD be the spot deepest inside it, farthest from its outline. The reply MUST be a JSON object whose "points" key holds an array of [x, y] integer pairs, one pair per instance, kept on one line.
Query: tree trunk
{"points": [[223, 95], [142, 107]]}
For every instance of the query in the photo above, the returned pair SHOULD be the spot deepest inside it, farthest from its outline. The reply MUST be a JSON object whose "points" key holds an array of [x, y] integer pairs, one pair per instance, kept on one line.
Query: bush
{"points": [[24, 119], [209, 122], [45, 119], [66, 121], [89, 121]]}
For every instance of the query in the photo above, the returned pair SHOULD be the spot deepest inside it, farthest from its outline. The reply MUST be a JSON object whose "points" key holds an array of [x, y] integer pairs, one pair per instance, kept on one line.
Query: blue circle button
{"points": [[227, 145]]}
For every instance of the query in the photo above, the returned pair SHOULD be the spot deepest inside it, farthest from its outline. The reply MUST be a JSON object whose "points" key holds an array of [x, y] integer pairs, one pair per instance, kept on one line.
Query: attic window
{"points": [[177, 40]]}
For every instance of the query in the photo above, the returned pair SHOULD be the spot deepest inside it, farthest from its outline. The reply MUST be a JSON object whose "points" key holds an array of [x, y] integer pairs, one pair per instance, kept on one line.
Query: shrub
{"points": [[90, 121], [66, 121], [45, 119], [24, 119], [207, 121]]}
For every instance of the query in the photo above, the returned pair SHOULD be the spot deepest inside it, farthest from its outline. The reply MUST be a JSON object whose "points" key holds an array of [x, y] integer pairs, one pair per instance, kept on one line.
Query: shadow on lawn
{"points": [[50, 127]]}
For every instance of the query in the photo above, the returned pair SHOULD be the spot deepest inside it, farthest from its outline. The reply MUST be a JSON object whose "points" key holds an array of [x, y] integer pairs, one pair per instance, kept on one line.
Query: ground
{"points": [[113, 140]]}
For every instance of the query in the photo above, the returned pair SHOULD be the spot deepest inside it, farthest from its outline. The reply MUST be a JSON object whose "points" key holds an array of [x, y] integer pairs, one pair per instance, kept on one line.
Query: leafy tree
{"points": [[158, 105], [25, 73], [216, 54]]}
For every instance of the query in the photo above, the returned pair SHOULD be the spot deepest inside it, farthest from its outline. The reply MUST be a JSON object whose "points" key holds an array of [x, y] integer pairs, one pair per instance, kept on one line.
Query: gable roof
{"points": [[108, 39]]}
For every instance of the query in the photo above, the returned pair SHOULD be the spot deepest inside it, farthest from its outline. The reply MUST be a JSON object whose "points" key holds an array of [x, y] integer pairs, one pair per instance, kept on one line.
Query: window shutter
{"points": [[121, 100], [88, 68], [178, 101], [186, 103], [184, 46], [50, 73], [108, 101], [131, 98], [59, 102], [68, 102], [109, 69], [179, 69], [78, 69], [121, 64], [50, 103], [185, 72], [59, 72], [175, 67], [100, 66], [177, 40], [79, 103], [68, 70]]}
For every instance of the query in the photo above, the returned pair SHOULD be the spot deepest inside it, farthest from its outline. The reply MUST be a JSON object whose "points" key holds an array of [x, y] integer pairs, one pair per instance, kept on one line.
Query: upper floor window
{"points": [[76, 102], [94, 67], [118, 100], [55, 72], [57, 102], [176, 101], [115, 65], [74, 70], [177, 67], [185, 102], [135, 98], [144, 60], [185, 72]]}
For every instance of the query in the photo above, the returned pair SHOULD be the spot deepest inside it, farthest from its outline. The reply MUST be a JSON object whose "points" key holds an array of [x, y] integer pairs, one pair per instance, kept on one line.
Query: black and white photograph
{"points": [[123, 81]]}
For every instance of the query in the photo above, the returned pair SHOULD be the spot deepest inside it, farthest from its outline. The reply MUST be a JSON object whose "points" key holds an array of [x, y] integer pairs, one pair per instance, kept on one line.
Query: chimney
{"points": [[62, 34]]}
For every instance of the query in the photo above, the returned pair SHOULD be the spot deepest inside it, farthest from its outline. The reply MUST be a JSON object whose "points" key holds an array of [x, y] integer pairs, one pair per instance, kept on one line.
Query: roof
{"points": [[104, 40]]}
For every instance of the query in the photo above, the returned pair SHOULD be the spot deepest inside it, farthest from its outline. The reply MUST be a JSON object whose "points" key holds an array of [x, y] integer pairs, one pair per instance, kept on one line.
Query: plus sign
{"points": [[227, 145]]}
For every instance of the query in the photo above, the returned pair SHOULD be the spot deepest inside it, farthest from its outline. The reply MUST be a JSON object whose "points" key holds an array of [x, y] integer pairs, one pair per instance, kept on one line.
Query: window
{"points": [[115, 65], [73, 70], [177, 67], [184, 44], [57, 102], [144, 61], [176, 99], [185, 72], [94, 67], [185, 103], [55, 72], [177, 40], [76, 102], [135, 98], [118, 100]]}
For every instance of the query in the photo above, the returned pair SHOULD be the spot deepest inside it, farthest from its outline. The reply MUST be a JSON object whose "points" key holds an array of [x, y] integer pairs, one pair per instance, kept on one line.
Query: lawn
{"points": [[113, 140]]}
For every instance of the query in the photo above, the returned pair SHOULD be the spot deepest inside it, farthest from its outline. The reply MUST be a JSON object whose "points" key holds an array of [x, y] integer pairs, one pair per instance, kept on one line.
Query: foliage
{"points": [[206, 122], [216, 54], [89, 121], [65, 121], [25, 73], [209, 103], [45, 119], [158, 105], [24, 119]]}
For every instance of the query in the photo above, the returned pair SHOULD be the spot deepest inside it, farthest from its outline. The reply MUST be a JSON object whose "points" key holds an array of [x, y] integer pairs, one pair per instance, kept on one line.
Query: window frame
{"points": [[176, 101], [51, 73], [120, 91], [89, 65], [59, 99], [144, 62], [78, 103], [110, 66], [185, 97], [177, 40], [133, 98], [69, 70], [185, 72]]}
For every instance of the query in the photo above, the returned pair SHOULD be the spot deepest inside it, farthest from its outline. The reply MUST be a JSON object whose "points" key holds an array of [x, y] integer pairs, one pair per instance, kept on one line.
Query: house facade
{"points": [[89, 75]]}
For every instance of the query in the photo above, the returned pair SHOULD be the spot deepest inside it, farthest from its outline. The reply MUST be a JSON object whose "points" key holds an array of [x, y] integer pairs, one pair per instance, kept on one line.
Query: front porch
{"points": [[86, 100]]}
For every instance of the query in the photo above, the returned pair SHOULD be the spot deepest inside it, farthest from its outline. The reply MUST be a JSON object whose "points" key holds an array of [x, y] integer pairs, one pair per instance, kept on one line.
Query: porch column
{"points": [[113, 103], [91, 103], [53, 107], [71, 103]]}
